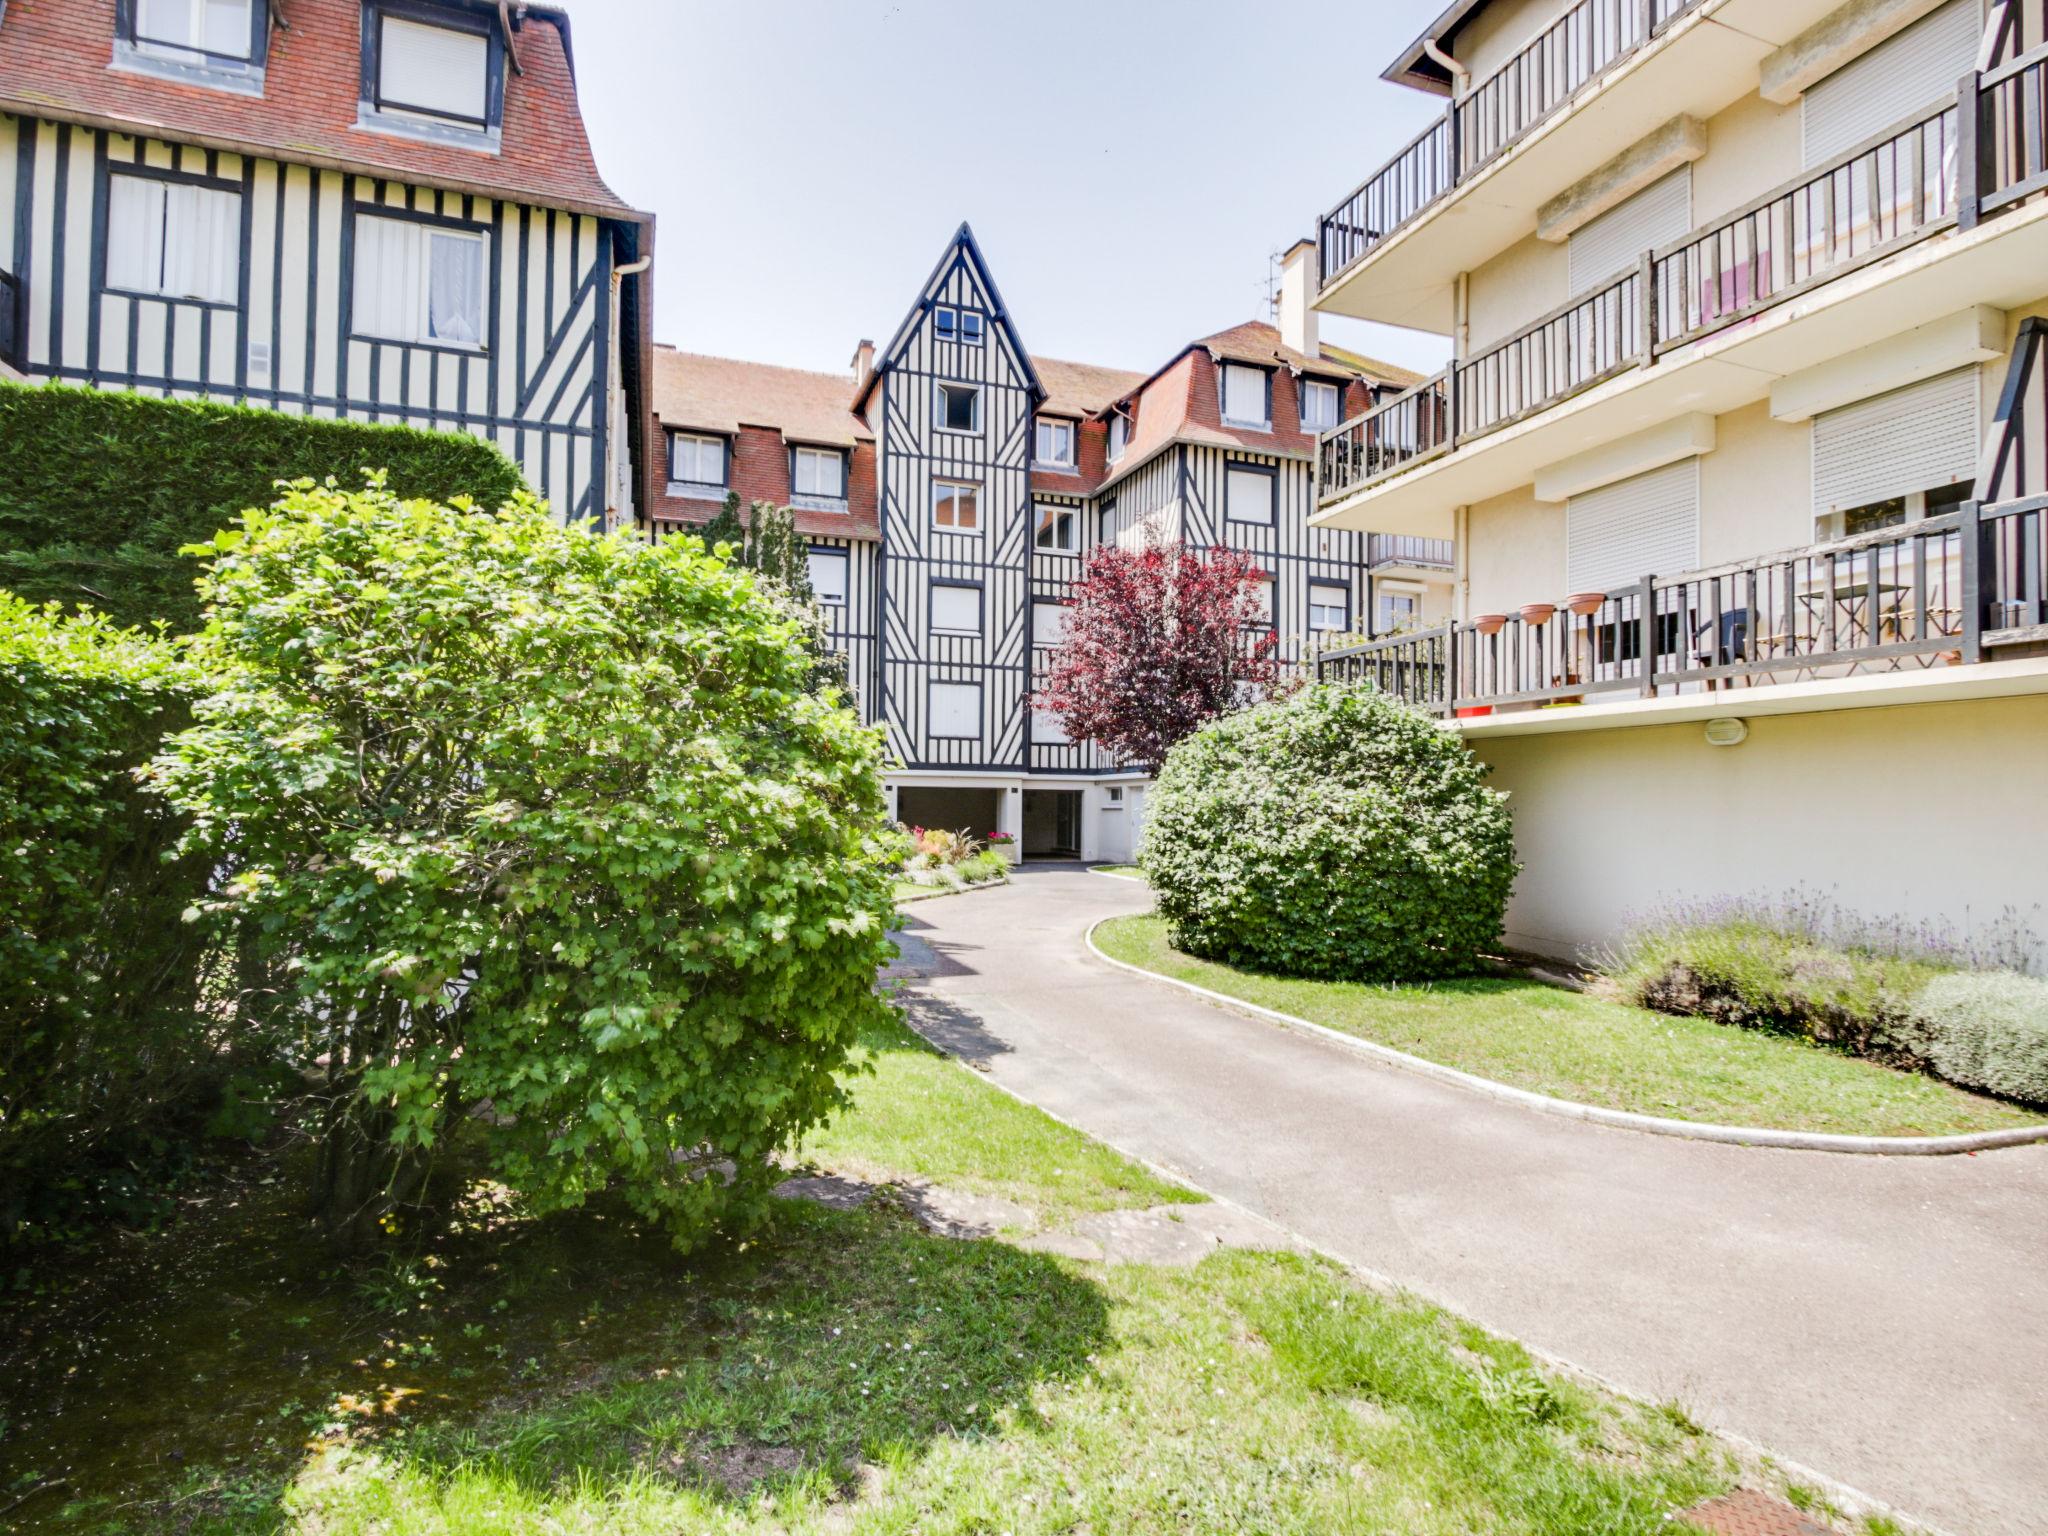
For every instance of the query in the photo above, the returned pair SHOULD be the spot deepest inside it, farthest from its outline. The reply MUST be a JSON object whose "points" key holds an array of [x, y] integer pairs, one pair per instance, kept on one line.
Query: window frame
{"points": [[932, 626], [931, 714], [1060, 510], [1038, 642], [845, 558], [1271, 475], [939, 411], [434, 123], [1381, 592], [677, 435], [1062, 423], [1343, 590], [193, 61], [1105, 512], [1223, 370], [818, 501], [482, 346], [104, 194], [1268, 622], [1309, 383], [956, 483], [1120, 424]]}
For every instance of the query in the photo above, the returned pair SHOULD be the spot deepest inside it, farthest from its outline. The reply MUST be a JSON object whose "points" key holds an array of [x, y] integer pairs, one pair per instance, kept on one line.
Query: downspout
{"points": [[1461, 77], [611, 466]]}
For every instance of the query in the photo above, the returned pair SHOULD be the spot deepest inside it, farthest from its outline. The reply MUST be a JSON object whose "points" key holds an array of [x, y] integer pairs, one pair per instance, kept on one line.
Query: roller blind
{"points": [[1911, 69], [437, 70], [1609, 245], [1646, 525], [1910, 439]]}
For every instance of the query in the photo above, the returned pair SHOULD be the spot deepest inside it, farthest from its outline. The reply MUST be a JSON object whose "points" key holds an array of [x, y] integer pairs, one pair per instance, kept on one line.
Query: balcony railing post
{"points": [[1973, 179], [1646, 646], [1451, 406], [1973, 534], [1452, 175], [1646, 299]]}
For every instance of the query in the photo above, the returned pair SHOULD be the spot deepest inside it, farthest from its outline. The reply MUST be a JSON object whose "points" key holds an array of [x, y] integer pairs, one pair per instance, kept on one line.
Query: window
{"points": [[1912, 68], [1058, 528], [950, 324], [1893, 457], [957, 407], [828, 577], [696, 460], [173, 238], [1119, 435], [970, 327], [1612, 243], [946, 323], [1320, 405], [1049, 729], [213, 29], [955, 711], [1055, 445], [1264, 592], [1329, 607], [955, 608], [1617, 534], [1105, 522], [1392, 610], [1048, 623], [418, 282], [1248, 493], [956, 505], [439, 73], [1115, 792], [817, 478], [1245, 394]]}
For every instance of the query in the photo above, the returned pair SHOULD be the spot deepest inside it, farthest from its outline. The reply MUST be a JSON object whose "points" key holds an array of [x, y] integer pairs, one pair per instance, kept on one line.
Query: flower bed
{"points": [[936, 860]]}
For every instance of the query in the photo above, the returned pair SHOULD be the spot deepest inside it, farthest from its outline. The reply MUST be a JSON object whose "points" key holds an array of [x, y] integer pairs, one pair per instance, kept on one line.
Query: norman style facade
{"points": [[1740, 445], [953, 485], [378, 209]]}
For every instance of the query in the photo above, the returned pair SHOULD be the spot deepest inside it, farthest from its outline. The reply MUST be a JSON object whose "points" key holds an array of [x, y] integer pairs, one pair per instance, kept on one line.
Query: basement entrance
{"points": [[1052, 824], [977, 812]]}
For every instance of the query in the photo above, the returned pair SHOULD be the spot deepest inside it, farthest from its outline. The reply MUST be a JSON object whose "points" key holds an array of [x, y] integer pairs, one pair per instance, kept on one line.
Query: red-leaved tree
{"points": [[1158, 640]]}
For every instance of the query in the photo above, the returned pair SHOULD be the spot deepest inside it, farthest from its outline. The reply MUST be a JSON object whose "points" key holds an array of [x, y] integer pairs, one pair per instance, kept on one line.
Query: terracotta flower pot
{"points": [[1490, 623], [1585, 604], [1537, 613]]}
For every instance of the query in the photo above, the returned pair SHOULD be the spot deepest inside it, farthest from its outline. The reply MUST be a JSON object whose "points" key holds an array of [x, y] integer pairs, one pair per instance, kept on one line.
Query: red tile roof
{"points": [[1081, 389], [54, 58], [723, 394]]}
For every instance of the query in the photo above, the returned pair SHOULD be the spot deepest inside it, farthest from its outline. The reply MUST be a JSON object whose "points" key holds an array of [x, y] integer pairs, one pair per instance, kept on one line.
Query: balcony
{"points": [[1704, 324], [1469, 186], [1946, 591], [1395, 554]]}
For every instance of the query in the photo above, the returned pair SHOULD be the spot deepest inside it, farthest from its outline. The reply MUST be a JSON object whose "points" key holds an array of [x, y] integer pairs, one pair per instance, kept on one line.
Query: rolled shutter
{"points": [[1911, 69], [1911, 439], [1609, 245], [1646, 525]]}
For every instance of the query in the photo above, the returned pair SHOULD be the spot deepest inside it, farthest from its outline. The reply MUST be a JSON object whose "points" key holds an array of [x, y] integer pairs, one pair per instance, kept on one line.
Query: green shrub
{"points": [[1987, 1031], [544, 822], [99, 490], [1335, 833], [102, 1042]]}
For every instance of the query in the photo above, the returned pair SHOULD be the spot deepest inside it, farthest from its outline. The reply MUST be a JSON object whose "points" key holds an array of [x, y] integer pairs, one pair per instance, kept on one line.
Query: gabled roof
{"points": [[1414, 67], [55, 57], [723, 394], [963, 241], [1082, 389]]}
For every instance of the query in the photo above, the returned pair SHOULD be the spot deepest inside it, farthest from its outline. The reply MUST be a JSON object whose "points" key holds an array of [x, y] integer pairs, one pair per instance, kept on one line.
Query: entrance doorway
{"points": [[1052, 824], [977, 812]]}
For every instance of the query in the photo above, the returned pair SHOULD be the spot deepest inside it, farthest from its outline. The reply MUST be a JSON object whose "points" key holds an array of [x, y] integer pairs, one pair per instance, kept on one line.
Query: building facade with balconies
{"points": [[1741, 425]]}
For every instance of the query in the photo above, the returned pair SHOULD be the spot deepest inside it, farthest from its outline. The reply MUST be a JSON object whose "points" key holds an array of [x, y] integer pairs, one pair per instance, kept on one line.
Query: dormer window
{"points": [[1054, 448], [696, 459], [432, 73], [1247, 396], [1119, 435], [1320, 405], [208, 42], [817, 478]]}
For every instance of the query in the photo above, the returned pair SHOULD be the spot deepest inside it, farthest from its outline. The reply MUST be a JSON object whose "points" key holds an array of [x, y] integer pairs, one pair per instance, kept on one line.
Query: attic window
{"points": [[696, 459], [1055, 444], [432, 72], [209, 42], [1246, 395], [963, 325], [1119, 435], [818, 479], [1319, 405]]}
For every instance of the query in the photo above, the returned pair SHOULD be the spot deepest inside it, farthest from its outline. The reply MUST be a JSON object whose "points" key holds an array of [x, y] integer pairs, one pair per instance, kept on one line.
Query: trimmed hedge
{"points": [[99, 490], [1333, 834]]}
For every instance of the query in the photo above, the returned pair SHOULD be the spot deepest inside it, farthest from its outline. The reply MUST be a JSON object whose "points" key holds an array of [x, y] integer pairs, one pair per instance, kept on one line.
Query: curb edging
{"points": [[1622, 1119]]}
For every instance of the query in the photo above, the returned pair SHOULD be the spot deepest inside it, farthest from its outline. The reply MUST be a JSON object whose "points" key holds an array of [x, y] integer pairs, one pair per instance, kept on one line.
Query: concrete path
{"points": [[1881, 1320]]}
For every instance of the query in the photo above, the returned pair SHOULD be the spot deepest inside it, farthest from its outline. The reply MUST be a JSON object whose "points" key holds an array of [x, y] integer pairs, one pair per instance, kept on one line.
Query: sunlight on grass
{"points": [[1578, 1047]]}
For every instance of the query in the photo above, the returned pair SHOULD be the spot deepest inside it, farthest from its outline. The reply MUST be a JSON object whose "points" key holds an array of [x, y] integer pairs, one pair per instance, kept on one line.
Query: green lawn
{"points": [[1128, 871], [1579, 1047], [843, 1372]]}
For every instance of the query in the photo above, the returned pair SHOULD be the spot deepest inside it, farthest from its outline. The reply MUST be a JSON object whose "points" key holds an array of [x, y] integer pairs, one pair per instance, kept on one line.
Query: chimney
{"points": [[1297, 288], [863, 363]]}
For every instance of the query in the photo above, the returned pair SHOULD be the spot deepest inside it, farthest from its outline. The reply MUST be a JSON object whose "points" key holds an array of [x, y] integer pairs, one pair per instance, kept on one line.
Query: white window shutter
{"points": [[389, 278], [956, 709], [202, 243], [1911, 439], [1646, 525], [1605, 247], [956, 608], [135, 233], [434, 69], [1911, 69]]}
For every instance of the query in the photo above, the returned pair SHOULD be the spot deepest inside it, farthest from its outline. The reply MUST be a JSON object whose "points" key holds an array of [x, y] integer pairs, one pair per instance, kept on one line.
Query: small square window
{"points": [[434, 72], [1320, 404], [818, 478], [208, 29], [1049, 623], [955, 610], [955, 711], [1049, 729], [1058, 529], [1116, 796], [957, 407], [970, 327], [945, 323], [695, 459], [1393, 610], [1055, 443], [1329, 608], [1244, 395], [1248, 494], [828, 577], [173, 239], [956, 506]]}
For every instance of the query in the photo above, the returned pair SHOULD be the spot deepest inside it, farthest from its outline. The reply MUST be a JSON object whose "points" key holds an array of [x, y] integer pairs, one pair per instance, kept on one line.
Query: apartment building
{"points": [[952, 485], [1739, 442], [385, 210]]}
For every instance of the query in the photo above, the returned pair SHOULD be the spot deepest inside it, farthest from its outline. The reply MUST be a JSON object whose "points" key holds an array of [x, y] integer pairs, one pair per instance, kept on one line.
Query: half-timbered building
{"points": [[385, 210], [953, 485]]}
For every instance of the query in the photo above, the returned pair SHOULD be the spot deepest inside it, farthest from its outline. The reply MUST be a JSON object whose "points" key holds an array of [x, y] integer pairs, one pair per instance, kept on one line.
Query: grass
{"points": [[845, 1372], [1579, 1047], [1128, 871]]}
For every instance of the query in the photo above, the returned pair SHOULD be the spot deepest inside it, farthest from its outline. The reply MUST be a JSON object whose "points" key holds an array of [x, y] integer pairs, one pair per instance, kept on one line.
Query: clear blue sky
{"points": [[1128, 165]]}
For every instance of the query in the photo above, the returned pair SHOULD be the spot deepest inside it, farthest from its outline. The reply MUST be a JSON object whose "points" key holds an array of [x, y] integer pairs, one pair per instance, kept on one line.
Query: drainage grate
{"points": [[1746, 1512]]}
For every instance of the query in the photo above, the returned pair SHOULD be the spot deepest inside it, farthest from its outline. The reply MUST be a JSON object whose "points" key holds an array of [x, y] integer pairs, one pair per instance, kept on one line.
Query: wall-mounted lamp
{"points": [[1727, 733]]}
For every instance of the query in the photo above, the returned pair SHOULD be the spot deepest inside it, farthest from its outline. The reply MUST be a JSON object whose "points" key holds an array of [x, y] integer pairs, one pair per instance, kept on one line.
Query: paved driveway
{"points": [[1882, 1320]]}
